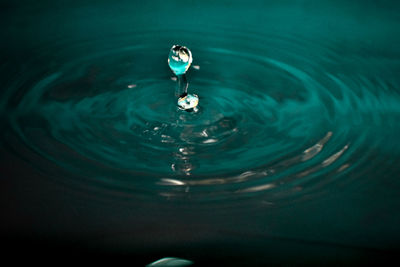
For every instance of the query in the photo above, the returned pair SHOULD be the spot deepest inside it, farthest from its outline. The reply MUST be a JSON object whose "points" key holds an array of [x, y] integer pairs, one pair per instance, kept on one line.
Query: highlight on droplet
{"points": [[188, 102], [179, 59], [170, 261]]}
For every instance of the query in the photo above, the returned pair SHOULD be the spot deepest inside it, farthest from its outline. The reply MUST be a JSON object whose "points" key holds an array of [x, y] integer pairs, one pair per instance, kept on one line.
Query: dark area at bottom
{"points": [[267, 253]]}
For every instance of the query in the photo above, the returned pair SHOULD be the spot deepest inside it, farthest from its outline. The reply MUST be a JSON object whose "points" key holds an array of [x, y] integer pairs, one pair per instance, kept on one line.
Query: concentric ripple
{"points": [[280, 117]]}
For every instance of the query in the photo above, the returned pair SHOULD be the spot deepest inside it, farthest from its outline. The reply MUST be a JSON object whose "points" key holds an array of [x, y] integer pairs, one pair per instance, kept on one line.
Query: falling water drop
{"points": [[179, 59]]}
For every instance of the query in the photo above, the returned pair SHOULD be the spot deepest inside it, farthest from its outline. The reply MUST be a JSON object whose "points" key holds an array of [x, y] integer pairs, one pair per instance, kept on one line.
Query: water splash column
{"points": [[179, 60]]}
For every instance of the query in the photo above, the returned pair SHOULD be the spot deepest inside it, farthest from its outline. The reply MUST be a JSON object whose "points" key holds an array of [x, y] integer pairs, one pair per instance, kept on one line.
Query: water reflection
{"points": [[263, 176]]}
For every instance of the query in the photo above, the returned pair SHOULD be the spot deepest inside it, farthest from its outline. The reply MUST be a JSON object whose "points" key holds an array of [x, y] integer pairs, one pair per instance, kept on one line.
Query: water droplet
{"points": [[179, 59], [170, 261], [188, 102]]}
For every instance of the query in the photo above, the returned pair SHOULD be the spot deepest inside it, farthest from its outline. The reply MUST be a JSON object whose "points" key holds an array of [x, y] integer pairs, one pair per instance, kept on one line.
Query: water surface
{"points": [[295, 144]]}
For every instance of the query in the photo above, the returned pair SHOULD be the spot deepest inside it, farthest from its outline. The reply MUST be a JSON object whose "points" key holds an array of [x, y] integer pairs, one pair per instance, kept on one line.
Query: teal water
{"points": [[292, 157]]}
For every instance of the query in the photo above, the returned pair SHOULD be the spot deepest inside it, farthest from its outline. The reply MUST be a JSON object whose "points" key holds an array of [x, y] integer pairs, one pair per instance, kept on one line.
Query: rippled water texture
{"points": [[286, 119], [295, 106]]}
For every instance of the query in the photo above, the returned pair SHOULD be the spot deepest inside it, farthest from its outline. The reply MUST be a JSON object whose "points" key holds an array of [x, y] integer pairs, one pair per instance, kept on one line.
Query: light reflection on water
{"points": [[267, 124]]}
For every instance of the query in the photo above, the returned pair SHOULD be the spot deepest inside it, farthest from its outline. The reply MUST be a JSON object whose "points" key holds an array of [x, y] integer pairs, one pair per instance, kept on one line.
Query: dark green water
{"points": [[293, 157]]}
